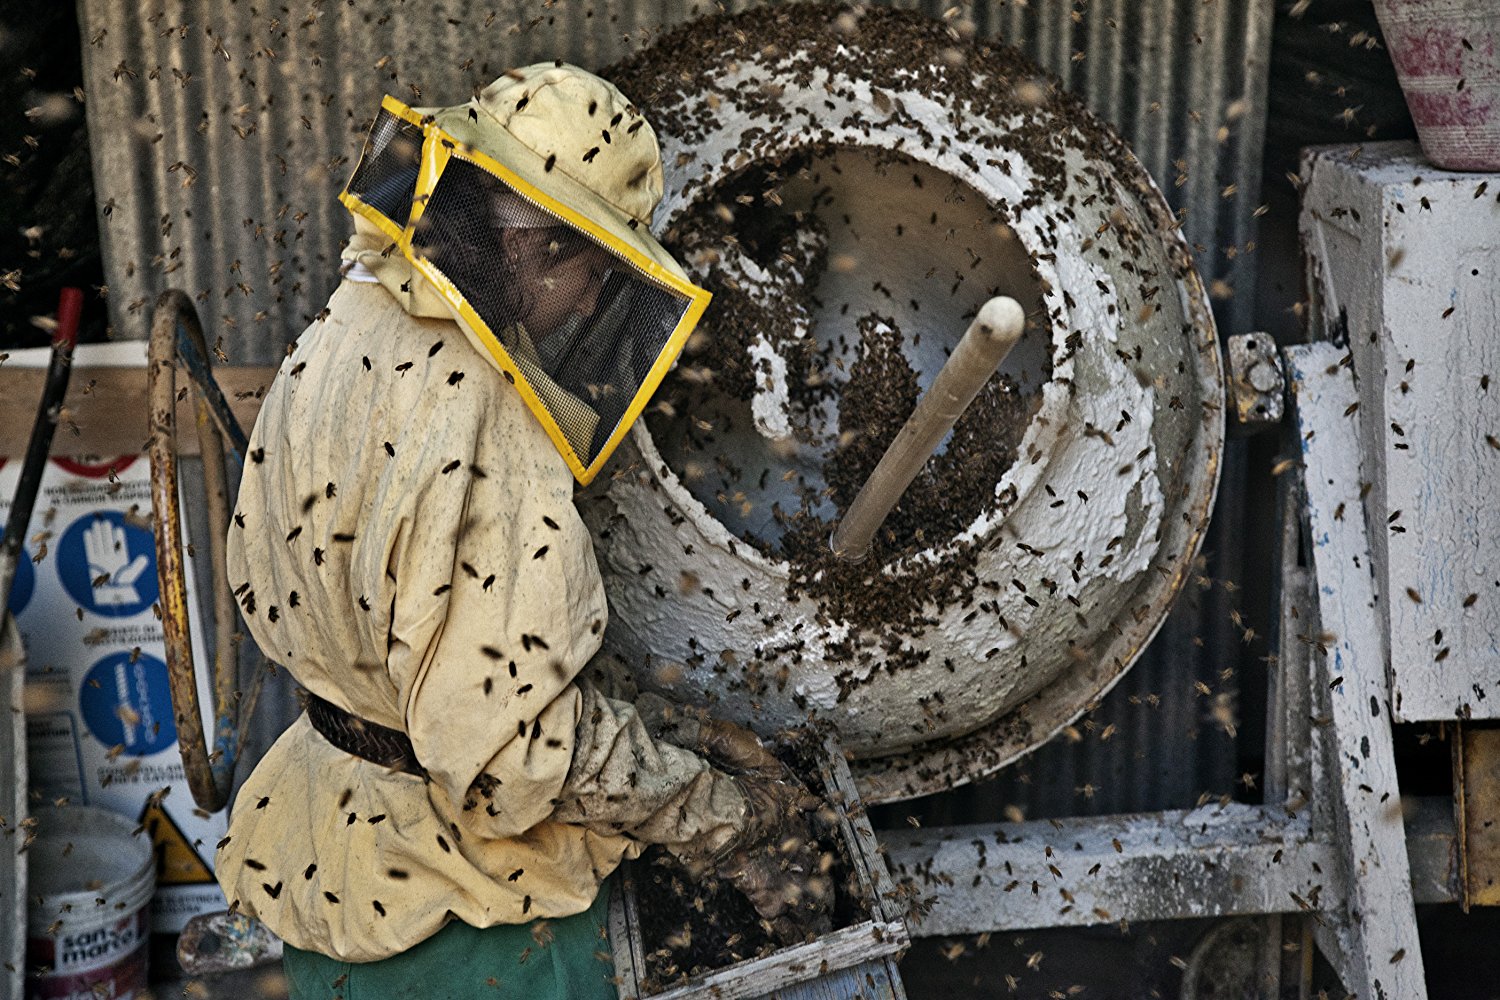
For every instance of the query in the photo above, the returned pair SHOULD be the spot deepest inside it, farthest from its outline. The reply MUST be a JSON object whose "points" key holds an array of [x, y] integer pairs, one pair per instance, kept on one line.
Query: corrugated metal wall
{"points": [[222, 132], [1185, 82]]}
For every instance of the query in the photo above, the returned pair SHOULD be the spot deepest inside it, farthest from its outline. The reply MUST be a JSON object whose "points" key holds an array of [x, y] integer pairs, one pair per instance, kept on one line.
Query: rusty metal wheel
{"points": [[177, 340]]}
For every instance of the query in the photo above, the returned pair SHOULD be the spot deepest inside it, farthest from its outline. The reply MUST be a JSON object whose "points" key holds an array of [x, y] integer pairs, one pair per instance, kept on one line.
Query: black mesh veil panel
{"points": [[581, 323], [386, 177]]}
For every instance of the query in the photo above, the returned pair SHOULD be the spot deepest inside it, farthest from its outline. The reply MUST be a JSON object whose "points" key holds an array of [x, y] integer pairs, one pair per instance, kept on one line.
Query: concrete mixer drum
{"points": [[853, 185]]}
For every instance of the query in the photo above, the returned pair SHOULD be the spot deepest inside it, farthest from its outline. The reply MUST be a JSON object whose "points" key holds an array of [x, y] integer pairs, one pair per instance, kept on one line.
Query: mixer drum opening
{"points": [[853, 192], [808, 364]]}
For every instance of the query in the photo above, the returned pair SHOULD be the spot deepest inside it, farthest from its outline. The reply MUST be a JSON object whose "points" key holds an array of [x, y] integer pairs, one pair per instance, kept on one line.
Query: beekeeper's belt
{"points": [[390, 748]]}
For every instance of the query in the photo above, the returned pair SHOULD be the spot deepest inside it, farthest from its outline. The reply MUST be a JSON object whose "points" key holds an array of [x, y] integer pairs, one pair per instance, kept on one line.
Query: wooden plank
{"points": [[874, 878], [1477, 791], [625, 936], [13, 808], [104, 413], [873, 980], [1221, 861], [1214, 861], [1374, 946], [1288, 779], [1432, 847], [788, 967]]}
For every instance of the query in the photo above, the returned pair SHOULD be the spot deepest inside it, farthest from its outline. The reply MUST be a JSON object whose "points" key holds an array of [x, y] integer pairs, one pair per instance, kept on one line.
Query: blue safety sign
{"points": [[108, 565], [24, 583], [126, 701]]}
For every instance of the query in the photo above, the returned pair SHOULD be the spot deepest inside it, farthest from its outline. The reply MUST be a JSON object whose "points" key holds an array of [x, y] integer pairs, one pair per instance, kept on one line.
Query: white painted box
{"points": [[1404, 270]]}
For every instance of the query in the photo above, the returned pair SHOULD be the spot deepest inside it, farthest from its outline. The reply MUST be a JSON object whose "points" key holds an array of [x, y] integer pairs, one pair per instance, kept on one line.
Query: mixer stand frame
{"points": [[1328, 857]]}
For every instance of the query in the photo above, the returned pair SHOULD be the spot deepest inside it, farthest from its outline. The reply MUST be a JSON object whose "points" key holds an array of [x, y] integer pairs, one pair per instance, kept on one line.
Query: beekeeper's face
{"points": [[560, 275]]}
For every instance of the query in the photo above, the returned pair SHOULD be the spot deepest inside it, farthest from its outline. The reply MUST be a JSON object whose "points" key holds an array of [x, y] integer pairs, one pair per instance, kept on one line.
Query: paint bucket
{"points": [[91, 877]]}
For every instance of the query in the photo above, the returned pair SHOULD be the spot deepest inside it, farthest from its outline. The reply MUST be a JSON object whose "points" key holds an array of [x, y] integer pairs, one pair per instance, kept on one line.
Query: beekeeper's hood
{"points": [[523, 215]]}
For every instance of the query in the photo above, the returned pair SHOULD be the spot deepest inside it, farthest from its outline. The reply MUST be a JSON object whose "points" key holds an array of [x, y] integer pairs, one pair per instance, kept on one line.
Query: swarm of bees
{"points": [[694, 924], [286, 225], [837, 312]]}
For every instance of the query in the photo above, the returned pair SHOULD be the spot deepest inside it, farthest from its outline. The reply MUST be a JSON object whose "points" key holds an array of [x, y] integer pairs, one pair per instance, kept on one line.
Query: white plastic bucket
{"points": [[88, 921]]}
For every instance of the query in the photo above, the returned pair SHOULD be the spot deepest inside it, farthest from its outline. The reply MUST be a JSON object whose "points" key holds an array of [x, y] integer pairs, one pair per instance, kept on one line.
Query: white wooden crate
{"points": [[849, 963], [1404, 269]]}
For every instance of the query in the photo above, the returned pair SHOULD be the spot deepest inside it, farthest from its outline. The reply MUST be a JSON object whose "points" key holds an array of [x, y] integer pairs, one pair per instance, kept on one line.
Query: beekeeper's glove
{"points": [[729, 746], [630, 775], [775, 863]]}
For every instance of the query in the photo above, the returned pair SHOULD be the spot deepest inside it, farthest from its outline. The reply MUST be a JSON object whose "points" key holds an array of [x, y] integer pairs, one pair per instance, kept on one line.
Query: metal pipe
{"points": [[59, 368], [216, 489], [984, 346]]}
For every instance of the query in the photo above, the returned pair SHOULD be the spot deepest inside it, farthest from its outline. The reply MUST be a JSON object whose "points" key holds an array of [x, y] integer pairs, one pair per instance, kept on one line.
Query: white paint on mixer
{"points": [[971, 666], [769, 407]]}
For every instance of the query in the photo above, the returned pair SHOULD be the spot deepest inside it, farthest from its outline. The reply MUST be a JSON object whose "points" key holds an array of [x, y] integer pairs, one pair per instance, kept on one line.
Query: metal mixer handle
{"points": [[984, 346]]}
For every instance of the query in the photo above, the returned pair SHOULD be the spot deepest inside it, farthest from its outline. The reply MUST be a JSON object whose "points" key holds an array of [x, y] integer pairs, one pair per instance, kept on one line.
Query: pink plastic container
{"points": [[1447, 56]]}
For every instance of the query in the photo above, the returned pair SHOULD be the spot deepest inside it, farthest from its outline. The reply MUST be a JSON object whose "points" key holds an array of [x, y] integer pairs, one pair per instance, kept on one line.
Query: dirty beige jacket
{"points": [[405, 543]]}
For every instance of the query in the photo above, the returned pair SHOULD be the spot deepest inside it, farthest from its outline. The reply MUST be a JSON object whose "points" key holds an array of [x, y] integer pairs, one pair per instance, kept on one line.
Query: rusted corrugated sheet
{"points": [[1185, 82], [222, 132]]}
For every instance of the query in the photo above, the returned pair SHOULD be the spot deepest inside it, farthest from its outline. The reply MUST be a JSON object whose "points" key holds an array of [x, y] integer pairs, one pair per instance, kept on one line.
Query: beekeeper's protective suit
{"points": [[405, 543]]}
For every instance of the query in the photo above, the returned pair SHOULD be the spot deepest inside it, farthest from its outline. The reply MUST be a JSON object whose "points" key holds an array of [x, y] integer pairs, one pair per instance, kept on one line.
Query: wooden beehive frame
{"points": [[864, 955]]}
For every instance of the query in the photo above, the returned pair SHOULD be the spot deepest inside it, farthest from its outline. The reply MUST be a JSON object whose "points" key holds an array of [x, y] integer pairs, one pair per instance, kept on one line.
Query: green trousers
{"points": [[566, 958]]}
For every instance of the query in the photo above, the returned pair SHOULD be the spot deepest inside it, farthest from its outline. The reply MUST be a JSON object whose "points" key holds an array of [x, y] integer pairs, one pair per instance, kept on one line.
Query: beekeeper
{"points": [[439, 821]]}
